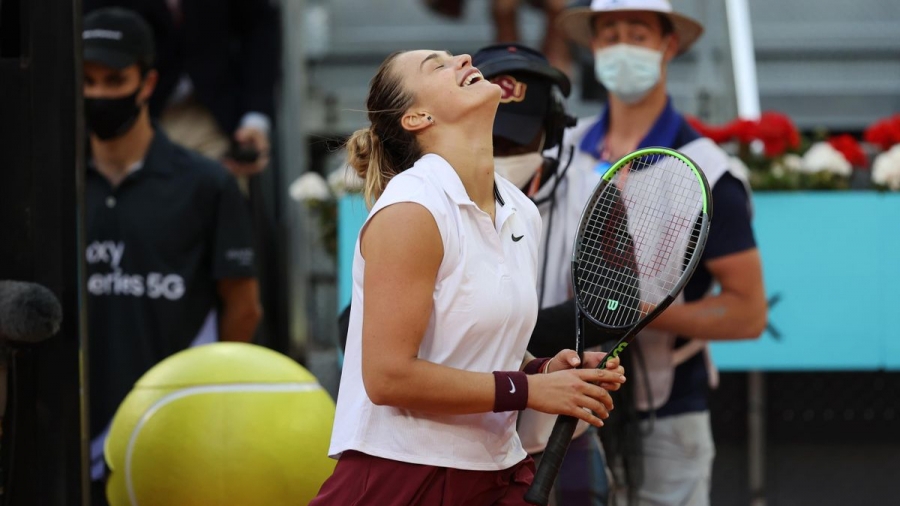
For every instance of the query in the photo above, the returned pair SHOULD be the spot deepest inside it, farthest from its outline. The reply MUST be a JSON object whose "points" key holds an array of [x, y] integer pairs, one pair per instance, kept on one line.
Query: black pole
{"points": [[44, 445]]}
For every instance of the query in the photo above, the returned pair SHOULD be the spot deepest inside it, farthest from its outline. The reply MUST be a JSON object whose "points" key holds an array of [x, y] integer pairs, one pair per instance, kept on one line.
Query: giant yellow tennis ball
{"points": [[222, 424]]}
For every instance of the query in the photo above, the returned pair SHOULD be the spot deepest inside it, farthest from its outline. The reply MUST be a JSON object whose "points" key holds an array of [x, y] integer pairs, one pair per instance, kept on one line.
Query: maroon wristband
{"points": [[510, 391], [534, 366]]}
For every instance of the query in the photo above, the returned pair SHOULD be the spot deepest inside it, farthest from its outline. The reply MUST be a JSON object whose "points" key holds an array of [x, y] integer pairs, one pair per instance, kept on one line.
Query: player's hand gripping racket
{"points": [[641, 236]]}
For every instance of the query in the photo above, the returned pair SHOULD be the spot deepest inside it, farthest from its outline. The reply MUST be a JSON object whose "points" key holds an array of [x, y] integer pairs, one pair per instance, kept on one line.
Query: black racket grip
{"points": [[551, 460]]}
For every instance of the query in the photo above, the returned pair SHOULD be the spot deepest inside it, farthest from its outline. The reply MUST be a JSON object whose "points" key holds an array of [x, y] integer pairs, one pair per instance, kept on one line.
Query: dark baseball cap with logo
{"points": [[117, 38], [527, 80]]}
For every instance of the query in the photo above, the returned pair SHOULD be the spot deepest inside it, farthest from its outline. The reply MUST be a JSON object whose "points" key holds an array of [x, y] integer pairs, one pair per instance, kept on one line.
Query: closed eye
{"points": [[435, 56]]}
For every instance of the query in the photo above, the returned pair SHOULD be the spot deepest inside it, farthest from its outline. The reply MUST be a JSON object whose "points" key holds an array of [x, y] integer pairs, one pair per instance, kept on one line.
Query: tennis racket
{"points": [[639, 241]]}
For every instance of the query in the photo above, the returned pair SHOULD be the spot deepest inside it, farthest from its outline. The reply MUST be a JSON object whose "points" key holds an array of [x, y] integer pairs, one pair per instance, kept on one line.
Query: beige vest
{"points": [[657, 347]]}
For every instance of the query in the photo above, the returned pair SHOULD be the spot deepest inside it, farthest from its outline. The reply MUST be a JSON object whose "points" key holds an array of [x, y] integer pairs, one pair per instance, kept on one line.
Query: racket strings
{"points": [[637, 238]]}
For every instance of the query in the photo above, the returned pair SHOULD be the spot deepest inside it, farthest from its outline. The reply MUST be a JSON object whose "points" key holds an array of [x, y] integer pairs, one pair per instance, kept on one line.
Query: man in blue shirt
{"points": [[633, 41]]}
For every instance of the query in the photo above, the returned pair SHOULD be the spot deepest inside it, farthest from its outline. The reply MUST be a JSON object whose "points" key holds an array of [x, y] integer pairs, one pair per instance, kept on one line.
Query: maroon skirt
{"points": [[363, 480]]}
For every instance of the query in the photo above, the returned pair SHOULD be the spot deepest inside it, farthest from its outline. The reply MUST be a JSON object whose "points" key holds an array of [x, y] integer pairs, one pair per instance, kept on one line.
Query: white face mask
{"points": [[518, 169], [628, 72]]}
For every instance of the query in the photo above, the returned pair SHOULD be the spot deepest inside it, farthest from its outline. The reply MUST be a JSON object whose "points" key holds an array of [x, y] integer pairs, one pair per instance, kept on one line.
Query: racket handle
{"points": [[551, 460]]}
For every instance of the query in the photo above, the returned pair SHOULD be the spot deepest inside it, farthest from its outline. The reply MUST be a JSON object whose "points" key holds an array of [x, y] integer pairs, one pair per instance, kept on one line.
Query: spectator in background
{"points": [[530, 120], [217, 63], [505, 14], [169, 246], [633, 42], [506, 28]]}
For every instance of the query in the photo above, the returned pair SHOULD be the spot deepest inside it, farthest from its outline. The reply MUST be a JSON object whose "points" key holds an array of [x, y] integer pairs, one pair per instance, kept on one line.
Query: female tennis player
{"points": [[443, 305]]}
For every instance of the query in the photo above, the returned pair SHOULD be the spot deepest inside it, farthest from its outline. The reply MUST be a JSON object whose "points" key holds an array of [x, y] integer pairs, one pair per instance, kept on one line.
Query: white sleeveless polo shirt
{"points": [[484, 309]]}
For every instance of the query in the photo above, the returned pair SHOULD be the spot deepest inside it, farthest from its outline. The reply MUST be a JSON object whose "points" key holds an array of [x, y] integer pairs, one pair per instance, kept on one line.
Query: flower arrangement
{"points": [[885, 134], [320, 196], [777, 157]]}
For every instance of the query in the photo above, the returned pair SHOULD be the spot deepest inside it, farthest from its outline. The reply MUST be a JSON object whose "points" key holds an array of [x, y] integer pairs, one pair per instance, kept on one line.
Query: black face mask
{"points": [[109, 118]]}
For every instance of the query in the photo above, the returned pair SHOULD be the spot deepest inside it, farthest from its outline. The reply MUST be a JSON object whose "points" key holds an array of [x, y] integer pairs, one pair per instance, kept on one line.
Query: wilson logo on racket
{"points": [[612, 305]]}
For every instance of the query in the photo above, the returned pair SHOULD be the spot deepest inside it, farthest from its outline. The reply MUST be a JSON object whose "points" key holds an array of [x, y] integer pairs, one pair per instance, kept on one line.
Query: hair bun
{"points": [[359, 150]]}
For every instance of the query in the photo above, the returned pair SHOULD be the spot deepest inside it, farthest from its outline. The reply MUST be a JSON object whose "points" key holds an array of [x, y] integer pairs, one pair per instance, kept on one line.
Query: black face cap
{"points": [[527, 81], [516, 58], [117, 38], [523, 107]]}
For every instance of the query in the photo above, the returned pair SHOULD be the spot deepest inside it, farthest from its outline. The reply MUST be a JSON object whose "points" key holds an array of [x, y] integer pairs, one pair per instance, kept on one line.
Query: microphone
{"points": [[29, 313]]}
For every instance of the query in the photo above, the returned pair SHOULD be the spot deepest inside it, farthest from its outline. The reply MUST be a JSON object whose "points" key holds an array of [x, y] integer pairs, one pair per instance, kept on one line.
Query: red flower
{"points": [[777, 132], [718, 134], [745, 130], [884, 132], [851, 150]]}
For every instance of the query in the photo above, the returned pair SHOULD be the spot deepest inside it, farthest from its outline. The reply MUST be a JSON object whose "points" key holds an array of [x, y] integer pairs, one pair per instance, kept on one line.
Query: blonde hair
{"points": [[385, 148]]}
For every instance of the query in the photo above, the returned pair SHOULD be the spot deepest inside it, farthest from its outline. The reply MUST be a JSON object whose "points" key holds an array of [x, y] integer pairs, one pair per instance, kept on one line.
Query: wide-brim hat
{"points": [[576, 23]]}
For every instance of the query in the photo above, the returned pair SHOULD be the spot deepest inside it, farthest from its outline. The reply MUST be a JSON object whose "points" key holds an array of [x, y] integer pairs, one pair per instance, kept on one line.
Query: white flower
{"points": [[778, 169], [790, 162], [345, 180], [821, 156], [886, 168], [309, 186], [757, 147]]}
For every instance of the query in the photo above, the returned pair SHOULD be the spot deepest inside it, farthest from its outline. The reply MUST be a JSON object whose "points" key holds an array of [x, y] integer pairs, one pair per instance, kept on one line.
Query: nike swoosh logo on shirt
{"points": [[512, 385], [517, 239]]}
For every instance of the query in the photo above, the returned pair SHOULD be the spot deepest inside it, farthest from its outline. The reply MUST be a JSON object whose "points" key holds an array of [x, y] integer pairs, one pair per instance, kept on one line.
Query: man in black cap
{"points": [[218, 65], [531, 116], [530, 123], [169, 246]]}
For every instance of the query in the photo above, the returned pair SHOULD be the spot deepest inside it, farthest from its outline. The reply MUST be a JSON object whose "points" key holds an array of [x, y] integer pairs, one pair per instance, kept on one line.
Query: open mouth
{"points": [[471, 78]]}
